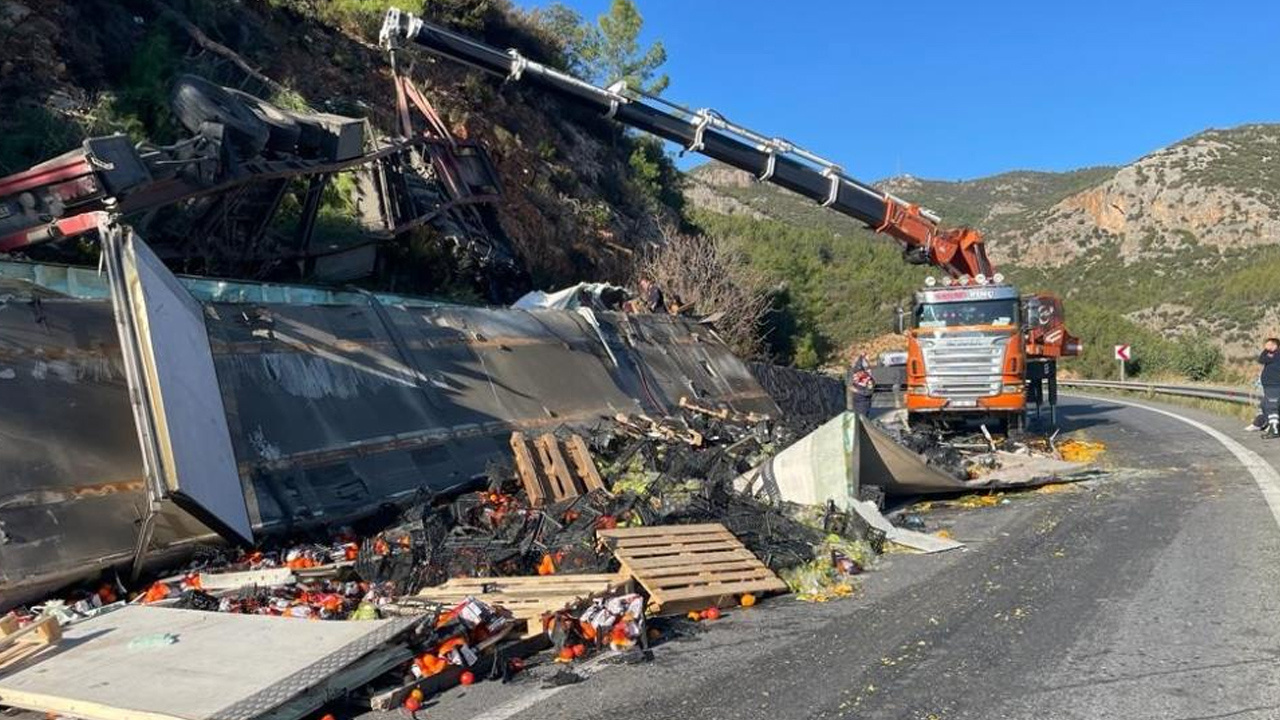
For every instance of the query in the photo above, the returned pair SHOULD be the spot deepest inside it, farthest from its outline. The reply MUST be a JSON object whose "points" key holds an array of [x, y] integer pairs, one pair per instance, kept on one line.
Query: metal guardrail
{"points": [[1206, 392]]}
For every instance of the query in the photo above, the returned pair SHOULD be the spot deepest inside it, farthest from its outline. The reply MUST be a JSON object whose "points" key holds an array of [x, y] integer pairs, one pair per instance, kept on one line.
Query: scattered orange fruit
{"points": [[711, 613], [694, 615], [579, 650], [467, 677], [747, 600], [417, 693], [547, 566], [412, 704]]}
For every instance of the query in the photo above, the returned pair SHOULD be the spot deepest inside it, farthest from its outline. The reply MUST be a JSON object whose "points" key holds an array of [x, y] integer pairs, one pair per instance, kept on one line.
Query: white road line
{"points": [[529, 699], [1264, 475]]}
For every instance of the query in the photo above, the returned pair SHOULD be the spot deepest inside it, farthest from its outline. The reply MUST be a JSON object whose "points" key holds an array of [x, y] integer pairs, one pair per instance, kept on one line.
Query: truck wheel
{"points": [[282, 130], [197, 101]]}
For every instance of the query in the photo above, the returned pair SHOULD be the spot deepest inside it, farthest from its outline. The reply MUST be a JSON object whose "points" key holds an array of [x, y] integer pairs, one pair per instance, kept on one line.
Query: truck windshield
{"points": [[958, 314]]}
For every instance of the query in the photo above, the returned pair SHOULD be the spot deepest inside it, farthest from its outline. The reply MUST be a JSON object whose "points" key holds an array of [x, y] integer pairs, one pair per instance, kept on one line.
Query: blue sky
{"points": [[953, 90]]}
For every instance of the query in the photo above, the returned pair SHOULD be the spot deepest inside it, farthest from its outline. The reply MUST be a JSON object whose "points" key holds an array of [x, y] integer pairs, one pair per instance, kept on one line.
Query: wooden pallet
{"points": [[527, 597], [18, 645], [689, 566], [546, 474]]}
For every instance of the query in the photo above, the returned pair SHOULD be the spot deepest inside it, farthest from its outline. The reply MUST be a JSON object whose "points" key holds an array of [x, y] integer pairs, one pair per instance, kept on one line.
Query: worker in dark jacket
{"points": [[859, 386], [1269, 379]]}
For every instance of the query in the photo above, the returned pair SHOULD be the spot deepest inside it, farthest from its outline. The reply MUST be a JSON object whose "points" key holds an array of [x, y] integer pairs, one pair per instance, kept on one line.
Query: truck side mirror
{"points": [[899, 321]]}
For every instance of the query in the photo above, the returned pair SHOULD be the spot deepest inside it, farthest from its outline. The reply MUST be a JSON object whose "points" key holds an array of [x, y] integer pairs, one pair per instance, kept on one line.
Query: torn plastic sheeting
{"points": [[818, 467], [834, 461], [923, 542], [848, 452], [570, 298]]}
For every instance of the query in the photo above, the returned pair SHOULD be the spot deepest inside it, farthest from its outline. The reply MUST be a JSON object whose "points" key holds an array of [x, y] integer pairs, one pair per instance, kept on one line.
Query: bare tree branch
{"points": [[217, 48], [705, 274]]}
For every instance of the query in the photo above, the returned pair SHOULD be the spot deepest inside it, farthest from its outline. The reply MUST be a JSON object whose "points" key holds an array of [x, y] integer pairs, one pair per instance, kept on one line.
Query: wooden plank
{"points": [[555, 580], [43, 631], [554, 491], [528, 597], [269, 577], [506, 599], [566, 484], [718, 590], [717, 545], [515, 591], [585, 464], [528, 470], [322, 572], [510, 602], [88, 710], [689, 579], [659, 541], [15, 656], [660, 530], [686, 560], [455, 597], [687, 404], [658, 573]]}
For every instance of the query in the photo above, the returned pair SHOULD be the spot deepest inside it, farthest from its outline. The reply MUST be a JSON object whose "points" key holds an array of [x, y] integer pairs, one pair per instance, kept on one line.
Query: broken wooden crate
{"points": [[526, 597], [549, 474], [689, 566], [26, 644]]}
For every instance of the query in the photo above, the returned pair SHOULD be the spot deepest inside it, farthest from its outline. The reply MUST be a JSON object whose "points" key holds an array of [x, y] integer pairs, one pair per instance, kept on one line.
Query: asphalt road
{"points": [[1151, 593]]}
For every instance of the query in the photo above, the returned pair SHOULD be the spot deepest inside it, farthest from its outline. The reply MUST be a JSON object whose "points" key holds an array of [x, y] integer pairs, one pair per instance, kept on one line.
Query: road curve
{"points": [[1153, 593]]}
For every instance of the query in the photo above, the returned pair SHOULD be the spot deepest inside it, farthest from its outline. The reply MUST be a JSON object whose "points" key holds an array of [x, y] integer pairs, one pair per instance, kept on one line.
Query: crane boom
{"points": [[959, 252]]}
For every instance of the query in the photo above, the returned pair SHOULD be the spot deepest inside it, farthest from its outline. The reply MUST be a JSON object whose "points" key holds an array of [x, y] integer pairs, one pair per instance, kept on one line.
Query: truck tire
{"points": [[282, 130], [197, 101]]}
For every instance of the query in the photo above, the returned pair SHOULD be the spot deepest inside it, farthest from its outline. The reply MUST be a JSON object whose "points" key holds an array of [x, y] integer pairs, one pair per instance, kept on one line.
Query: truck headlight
{"points": [[1013, 387]]}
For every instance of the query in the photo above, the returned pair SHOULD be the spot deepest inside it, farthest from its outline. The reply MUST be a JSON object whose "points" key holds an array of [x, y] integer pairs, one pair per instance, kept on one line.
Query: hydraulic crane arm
{"points": [[960, 252]]}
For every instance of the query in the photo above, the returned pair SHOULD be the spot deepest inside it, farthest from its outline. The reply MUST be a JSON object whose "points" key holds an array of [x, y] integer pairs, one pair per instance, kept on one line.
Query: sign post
{"points": [[1123, 354]]}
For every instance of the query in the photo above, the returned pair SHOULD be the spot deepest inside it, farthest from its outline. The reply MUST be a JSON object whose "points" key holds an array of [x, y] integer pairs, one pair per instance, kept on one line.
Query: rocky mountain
{"points": [[1218, 189], [1182, 242]]}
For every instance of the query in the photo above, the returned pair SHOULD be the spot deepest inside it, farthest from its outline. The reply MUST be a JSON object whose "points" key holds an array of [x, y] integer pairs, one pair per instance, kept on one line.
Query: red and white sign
{"points": [[1123, 353]]}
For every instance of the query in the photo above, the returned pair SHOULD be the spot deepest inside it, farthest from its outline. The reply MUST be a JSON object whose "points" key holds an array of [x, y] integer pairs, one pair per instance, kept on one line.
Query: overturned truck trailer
{"points": [[334, 404]]}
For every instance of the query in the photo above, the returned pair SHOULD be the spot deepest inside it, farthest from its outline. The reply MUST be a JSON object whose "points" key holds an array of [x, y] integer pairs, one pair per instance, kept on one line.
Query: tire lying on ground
{"points": [[282, 131], [197, 101]]}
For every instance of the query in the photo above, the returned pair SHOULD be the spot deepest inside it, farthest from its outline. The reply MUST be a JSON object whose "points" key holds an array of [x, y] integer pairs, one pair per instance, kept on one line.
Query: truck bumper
{"points": [[1004, 403]]}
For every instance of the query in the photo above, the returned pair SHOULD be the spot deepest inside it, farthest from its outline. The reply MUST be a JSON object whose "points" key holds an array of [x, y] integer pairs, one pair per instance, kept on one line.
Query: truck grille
{"points": [[965, 367]]}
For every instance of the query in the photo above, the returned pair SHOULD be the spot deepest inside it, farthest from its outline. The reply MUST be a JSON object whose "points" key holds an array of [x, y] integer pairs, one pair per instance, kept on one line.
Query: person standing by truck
{"points": [[859, 386], [1269, 379]]}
